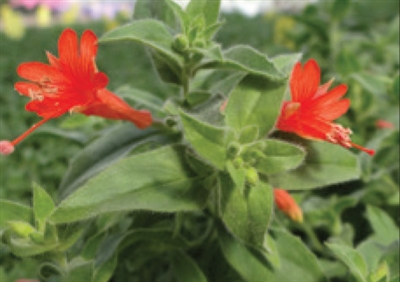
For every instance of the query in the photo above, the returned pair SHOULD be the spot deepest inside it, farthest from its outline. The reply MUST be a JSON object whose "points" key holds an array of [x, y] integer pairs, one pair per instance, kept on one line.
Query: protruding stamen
{"points": [[366, 150], [29, 131]]}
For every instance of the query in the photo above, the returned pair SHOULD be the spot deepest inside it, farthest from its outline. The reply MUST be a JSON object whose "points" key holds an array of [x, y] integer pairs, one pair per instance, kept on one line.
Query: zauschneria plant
{"points": [[313, 108], [71, 83]]}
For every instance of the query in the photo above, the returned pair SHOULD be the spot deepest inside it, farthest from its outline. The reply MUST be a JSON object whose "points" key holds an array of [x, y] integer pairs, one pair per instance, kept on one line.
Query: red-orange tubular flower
{"points": [[71, 83], [287, 205], [313, 108]]}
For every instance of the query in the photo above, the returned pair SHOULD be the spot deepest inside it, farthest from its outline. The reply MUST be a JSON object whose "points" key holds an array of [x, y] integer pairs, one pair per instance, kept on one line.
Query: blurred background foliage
{"points": [[356, 42]]}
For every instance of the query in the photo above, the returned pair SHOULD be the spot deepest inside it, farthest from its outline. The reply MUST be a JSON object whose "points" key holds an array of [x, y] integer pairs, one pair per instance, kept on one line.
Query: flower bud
{"points": [[20, 228], [180, 43], [233, 149], [288, 205], [252, 176]]}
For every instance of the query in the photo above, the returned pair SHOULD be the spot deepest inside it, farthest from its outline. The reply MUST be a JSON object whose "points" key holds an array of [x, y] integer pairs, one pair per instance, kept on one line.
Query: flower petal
{"points": [[331, 97], [304, 82], [68, 47], [88, 50], [111, 106], [38, 72], [336, 110], [26, 88]]}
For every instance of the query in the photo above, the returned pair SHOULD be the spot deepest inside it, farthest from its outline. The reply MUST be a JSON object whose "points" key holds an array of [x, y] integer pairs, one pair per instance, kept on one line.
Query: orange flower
{"points": [[71, 83], [287, 205], [313, 108]]}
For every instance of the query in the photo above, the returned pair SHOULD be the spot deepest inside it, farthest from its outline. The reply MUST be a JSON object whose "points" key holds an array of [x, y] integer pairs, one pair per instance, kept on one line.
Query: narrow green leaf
{"points": [[279, 156], [149, 32], [195, 8], [12, 211], [384, 228], [284, 63], [104, 272], [325, 164], [246, 59], [296, 260], [144, 98], [80, 270], [242, 260], [128, 185], [211, 11], [253, 107], [226, 85], [43, 206], [180, 14], [246, 215], [208, 141], [105, 151], [185, 268], [352, 259]]}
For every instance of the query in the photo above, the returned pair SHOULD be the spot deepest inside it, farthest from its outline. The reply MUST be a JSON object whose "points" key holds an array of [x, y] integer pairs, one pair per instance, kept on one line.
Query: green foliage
{"points": [[192, 197]]}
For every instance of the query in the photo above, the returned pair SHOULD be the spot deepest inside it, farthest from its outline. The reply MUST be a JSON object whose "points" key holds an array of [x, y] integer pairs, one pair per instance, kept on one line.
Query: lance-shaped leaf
{"points": [[242, 259], [247, 59], [296, 260], [11, 211], [254, 107], [207, 140], [105, 151], [352, 259], [279, 156], [325, 164], [284, 63], [158, 180], [43, 206], [246, 214], [185, 268], [149, 32], [207, 8]]}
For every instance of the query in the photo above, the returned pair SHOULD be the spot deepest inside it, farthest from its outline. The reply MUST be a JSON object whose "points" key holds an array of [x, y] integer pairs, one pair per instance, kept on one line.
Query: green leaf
{"points": [[103, 152], [284, 63], [238, 175], [143, 98], [149, 32], [352, 259], [279, 156], [185, 268], [384, 228], [197, 97], [242, 260], [246, 59], [105, 271], [128, 186], [226, 85], [247, 215], [166, 68], [325, 164], [296, 259], [11, 211], [80, 270], [211, 11], [43, 206], [207, 140], [180, 14], [371, 251], [253, 107]]}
